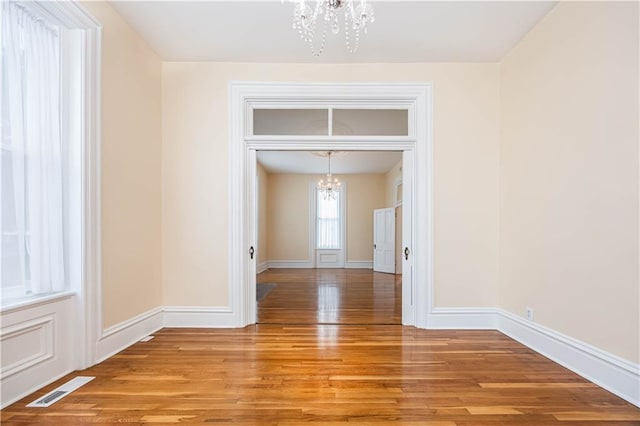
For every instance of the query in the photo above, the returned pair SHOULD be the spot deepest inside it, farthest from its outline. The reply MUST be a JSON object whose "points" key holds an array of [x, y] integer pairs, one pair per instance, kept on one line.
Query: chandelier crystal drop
{"points": [[311, 21], [331, 186]]}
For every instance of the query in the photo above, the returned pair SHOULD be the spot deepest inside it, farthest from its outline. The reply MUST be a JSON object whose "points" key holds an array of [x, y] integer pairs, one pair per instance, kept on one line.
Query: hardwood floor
{"points": [[359, 370], [329, 375], [330, 296]]}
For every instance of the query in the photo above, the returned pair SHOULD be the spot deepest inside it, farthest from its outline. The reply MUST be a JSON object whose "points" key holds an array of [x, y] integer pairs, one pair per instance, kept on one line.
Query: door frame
{"points": [[418, 145]]}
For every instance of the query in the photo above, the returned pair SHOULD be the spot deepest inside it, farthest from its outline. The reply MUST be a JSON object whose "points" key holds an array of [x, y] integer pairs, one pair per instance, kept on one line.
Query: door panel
{"points": [[329, 258], [384, 240]]}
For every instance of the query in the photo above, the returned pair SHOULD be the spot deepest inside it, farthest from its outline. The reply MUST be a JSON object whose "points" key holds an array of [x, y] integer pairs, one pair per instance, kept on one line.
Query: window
{"points": [[322, 121], [291, 122], [371, 122], [36, 169], [328, 217]]}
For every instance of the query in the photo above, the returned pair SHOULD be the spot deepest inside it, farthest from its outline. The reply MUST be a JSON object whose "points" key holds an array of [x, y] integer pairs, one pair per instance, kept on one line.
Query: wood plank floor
{"points": [[330, 296], [355, 368], [329, 375]]}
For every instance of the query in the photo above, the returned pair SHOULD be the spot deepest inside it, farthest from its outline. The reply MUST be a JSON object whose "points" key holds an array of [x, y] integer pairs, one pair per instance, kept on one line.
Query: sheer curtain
{"points": [[32, 249], [328, 221]]}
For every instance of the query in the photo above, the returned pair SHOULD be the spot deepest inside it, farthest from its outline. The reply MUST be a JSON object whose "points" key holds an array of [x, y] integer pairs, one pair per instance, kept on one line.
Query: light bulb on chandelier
{"points": [[356, 18], [330, 188]]}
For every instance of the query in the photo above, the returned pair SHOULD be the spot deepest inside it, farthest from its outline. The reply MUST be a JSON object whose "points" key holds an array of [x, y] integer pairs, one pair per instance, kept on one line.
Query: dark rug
{"points": [[262, 289]]}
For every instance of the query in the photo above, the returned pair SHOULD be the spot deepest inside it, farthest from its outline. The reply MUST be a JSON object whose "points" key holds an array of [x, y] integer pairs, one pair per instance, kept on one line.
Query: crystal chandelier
{"points": [[307, 20], [331, 186]]}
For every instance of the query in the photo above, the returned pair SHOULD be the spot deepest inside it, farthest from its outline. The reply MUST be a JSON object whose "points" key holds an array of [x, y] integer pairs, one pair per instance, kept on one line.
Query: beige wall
{"points": [[569, 175], [288, 215], [263, 225], [131, 186], [364, 194], [195, 172], [547, 142], [556, 121], [390, 201], [390, 184]]}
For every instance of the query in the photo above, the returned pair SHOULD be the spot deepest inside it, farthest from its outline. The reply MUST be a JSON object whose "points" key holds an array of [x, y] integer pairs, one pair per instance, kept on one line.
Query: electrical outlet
{"points": [[530, 314]]}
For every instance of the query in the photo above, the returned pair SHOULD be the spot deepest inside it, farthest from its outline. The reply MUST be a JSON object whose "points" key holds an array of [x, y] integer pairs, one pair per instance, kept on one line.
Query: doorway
{"points": [[296, 283], [413, 100]]}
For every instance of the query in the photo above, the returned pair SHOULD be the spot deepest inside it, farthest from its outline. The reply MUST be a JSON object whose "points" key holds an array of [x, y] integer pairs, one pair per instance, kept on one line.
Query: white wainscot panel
{"points": [[26, 344], [38, 346]]}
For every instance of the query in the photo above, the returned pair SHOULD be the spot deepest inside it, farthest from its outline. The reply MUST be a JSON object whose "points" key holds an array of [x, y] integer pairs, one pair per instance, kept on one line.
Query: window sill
{"points": [[21, 303]]}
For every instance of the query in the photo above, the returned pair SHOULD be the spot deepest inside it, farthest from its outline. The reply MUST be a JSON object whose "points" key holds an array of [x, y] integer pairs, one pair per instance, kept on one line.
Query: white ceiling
{"points": [[404, 31], [342, 162]]}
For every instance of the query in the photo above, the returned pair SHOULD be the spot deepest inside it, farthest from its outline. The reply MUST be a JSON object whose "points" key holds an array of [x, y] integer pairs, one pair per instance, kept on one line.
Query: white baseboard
{"points": [[617, 375], [307, 264], [462, 319], [359, 264], [262, 267], [122, 335], [199, 316], [293, 264]]}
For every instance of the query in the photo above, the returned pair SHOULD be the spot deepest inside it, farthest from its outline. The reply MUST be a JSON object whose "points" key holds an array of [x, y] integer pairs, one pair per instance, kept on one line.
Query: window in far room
{"points": [[328, 217]]}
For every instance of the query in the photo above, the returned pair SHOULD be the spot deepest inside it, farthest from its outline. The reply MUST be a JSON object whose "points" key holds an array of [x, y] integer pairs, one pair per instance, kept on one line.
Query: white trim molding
{"points": [[291, 264], [309, 264], [35, 342], [416, 98], [462, 319], [359, 264], [617, 375], [77, 315], [73, 15], [41, 331], [122, 335], [199, 316], [262, 267]]}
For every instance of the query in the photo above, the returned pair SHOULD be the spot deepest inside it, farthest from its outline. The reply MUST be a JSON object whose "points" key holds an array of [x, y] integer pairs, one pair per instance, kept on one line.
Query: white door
{"points": [[408, 311], [384, 240]]}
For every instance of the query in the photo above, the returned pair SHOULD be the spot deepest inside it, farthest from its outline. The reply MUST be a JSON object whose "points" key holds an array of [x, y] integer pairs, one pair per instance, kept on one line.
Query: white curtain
{"points": [[32, 248], [328, 221]]}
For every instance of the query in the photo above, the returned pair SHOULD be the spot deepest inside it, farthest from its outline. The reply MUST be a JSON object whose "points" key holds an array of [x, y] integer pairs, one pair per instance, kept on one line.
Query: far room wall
{"points": [[393, 198], [284, 215], [262, 255]]}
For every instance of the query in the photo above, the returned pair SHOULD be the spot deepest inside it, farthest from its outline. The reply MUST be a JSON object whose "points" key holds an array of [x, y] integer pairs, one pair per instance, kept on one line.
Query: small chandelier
{"points": [[306, 17], [329, 188]]}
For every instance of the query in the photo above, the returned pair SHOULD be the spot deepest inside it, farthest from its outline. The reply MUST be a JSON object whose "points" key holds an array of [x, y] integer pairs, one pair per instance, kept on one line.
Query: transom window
{"points": [[330, 122]]}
